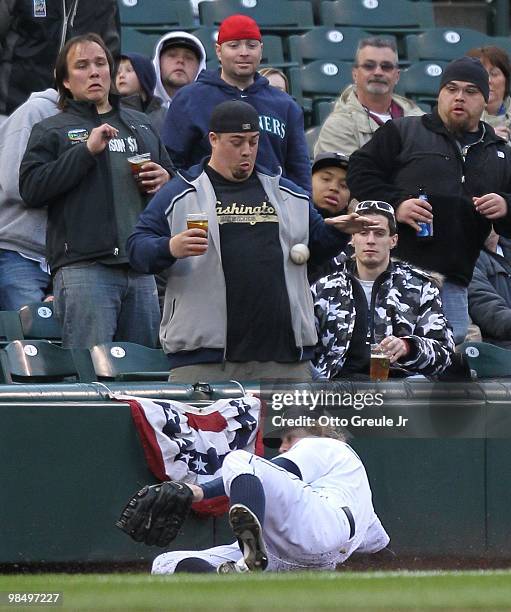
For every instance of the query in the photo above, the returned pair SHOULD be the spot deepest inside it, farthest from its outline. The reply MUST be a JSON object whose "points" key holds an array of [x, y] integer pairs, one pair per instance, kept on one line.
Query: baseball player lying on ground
{"points": [[308, 509]]}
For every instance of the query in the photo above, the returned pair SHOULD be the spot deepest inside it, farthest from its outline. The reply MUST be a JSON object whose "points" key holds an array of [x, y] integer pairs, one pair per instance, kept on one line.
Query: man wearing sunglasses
{"points": [[369, 102], [373, 300], [462, 166]]}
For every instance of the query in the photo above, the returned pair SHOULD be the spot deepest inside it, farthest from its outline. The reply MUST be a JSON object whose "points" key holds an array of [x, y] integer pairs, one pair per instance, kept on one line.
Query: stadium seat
{"points": [[207, 35], [33, 361], [38, 322], [311, 136], [400, 16], [325, 43], [321, 111], [421, 81], [486, 360], [129, 361], [273, 54], [270, 15], [504, 42], [319, 80], [10, 326], [442, 44], [161, 15], [134, 41]]}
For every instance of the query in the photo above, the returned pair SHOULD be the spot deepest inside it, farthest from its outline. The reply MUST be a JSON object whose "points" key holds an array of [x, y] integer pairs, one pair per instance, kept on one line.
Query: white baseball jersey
{"points": [[305, 526]]}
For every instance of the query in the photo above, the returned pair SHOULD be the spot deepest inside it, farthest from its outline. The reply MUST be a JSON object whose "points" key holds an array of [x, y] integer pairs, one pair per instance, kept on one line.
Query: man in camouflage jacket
{"points": [[371, 299]]}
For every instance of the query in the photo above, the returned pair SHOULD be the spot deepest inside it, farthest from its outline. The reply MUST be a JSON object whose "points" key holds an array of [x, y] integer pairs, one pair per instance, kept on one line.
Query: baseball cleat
{"points": [[247, 529], [232, 567]]}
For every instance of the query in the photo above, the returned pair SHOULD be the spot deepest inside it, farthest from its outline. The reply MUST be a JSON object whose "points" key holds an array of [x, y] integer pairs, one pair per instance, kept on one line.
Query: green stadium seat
{"points": [[311, 136], [326, 43], [273, 53], [442, 44], [421, 81], [135, 41], [319, 80], [504, 42], [34, 361], [129, 361], [486, 360], [321, 110], [270, 15], [38, 322], [380, 16], [207, 35], [10, 326], [161, 15]]}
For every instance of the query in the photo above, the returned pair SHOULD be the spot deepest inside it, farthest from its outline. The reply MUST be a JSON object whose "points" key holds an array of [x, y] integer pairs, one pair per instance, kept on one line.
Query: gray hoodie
{"points": [[159, 90], [23, 229]]}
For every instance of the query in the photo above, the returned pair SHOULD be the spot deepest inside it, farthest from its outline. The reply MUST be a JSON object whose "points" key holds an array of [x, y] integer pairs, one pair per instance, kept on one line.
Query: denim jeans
{"points": [[21, 281], [96, 303], [455, 307]]}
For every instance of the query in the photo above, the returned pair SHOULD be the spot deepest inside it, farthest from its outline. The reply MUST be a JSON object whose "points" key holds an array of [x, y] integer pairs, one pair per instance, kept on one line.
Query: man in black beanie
{"points": [[460, 169], [237, 304]]}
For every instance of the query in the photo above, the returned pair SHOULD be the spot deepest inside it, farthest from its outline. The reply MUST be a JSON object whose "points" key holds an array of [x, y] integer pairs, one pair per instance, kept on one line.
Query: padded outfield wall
{"points": [[70, 458]]}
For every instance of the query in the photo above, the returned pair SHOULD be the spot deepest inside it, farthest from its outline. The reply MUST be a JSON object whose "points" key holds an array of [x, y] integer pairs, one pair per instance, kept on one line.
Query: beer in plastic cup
{"points": [[380, 364], [136, 162], [197, 221]]}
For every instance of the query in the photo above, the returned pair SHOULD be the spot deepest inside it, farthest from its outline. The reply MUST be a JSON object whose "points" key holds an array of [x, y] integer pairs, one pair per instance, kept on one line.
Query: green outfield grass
{"points": [[471, 590]]}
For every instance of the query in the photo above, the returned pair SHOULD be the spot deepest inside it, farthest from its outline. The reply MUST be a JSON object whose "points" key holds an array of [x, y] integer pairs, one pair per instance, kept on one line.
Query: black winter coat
{"points": [[59, 172], [411, 153]]}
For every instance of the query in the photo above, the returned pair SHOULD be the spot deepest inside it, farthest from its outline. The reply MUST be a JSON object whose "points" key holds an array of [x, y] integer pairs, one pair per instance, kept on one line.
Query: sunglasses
{"points": [[375, 205], [370, 66]]}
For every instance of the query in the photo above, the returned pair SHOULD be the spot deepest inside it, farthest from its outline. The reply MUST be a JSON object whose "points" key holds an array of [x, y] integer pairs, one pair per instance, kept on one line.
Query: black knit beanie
{"points": [[467, 69]]}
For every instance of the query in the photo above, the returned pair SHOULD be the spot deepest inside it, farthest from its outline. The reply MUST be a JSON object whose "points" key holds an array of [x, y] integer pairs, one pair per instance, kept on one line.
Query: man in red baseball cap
{"points": [[282, 145]]}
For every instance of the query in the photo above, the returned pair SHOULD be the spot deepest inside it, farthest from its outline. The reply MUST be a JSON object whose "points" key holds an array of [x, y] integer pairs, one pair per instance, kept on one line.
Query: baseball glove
{"points": [[155, 514]]}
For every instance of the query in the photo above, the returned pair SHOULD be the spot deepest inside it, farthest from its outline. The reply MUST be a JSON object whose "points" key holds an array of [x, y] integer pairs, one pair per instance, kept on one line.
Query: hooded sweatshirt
{"points": [[23, 228], [152, 106], [282, 144], [159, 90]]}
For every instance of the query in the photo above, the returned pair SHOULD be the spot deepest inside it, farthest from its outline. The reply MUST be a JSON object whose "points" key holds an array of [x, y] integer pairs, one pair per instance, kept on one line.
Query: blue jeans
{"points": [[21, 281], [455, 307], [96, 303]]}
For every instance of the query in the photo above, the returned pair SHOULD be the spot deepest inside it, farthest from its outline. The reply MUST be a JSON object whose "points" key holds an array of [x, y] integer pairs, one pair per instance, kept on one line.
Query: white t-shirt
{"points": [[367, 286]]}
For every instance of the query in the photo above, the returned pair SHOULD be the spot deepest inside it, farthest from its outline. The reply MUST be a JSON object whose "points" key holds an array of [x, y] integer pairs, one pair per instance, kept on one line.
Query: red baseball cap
{"points": [[238, 27]]}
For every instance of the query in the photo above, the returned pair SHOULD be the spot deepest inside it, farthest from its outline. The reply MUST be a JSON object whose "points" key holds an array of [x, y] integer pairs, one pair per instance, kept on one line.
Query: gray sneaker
{"points": [[247, 529]]}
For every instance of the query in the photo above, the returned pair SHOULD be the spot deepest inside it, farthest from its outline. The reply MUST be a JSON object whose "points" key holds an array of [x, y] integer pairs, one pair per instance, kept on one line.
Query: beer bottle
{"points": [[425, 231]]}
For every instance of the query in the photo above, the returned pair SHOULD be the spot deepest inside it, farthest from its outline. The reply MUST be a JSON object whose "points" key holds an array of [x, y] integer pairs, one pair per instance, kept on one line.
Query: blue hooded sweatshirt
{"points": [[282, 141]]}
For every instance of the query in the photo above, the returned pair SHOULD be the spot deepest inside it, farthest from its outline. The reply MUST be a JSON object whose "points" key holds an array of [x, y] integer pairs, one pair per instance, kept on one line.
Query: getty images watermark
{"points": [[325, 399], [318, 407], [401, 408]]}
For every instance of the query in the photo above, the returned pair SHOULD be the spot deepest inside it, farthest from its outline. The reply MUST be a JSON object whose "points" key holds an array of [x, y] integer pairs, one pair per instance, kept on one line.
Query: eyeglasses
{"points": [[471, 90], [370, 66], [384, 207]]}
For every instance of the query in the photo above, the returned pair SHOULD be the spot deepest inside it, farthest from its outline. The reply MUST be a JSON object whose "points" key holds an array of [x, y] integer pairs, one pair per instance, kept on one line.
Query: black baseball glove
{"points": [[155, 514]]}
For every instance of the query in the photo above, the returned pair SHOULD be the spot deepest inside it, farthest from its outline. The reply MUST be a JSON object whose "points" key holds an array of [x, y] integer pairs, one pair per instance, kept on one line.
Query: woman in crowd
{"points": [[276, 78], [498, 109]]}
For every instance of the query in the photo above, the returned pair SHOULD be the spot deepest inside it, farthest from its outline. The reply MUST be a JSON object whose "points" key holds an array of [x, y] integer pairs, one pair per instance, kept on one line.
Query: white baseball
{"points": [[299, 253]]}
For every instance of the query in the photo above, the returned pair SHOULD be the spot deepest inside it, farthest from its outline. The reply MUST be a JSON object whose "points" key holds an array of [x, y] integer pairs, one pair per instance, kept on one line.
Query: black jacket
{"points": [[154, 109], [31, 36], [410, 153], [489, 295], [59, 172]]}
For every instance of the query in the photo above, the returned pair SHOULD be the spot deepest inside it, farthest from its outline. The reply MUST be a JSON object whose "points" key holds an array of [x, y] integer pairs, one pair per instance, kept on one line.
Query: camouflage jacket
{"points": [[405, 303]]}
